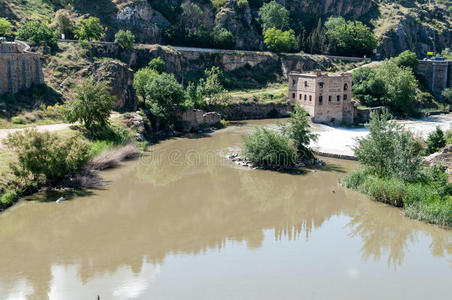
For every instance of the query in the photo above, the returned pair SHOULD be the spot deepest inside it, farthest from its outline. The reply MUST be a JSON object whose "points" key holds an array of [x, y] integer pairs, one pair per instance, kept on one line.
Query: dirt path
{"points": [[41, 128]]}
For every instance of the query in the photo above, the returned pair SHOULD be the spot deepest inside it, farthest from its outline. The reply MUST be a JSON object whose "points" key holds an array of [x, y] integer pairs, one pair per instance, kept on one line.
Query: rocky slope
{"points": [[418, 25]]}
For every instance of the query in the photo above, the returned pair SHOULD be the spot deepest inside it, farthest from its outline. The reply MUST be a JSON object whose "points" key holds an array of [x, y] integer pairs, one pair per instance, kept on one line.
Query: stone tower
{"points": [[326, 97]]}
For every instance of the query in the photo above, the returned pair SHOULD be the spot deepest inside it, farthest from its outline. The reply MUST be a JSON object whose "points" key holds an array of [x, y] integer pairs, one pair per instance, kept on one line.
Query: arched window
{"points": [[345, 86]]}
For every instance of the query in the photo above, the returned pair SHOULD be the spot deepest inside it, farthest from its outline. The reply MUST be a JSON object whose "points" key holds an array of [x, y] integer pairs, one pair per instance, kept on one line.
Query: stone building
{"points": [[326, 97], [19, 69]]}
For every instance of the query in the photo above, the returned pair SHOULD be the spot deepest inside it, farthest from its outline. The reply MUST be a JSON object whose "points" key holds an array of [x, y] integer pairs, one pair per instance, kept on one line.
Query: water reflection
{"points": [[154, 208]]}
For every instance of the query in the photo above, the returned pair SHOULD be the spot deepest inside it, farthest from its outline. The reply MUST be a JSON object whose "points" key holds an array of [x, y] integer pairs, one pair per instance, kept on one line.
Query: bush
{"points": [[8, 198], [274, 15], [157, 64], [268, 148], [5, 27], [407, 59], [447, 94], [17, 120], [45, 155], [38, 33], [279, 41], [92, 105], [64, 23], [223, 38], [89, 29], [125, 39], [298, 130], [435, 141]]}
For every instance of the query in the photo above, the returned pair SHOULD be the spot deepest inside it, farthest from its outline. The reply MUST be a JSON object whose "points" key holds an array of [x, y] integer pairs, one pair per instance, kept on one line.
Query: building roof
{"points": [[315, 74]]}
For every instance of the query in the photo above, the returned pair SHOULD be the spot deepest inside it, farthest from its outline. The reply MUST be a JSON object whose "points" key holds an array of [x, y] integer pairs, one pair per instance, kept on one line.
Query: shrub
{"points": [[17, 120], [274, 15], [84, 44], [125, 39], [407, 59], [298, 130], [223, 38], [89, 29], [5, 27], [268, 148], [37, 32], [8, 198], [44, 154], [435, 141], [92, 105], [157, 64], [447, 94], [279, 41], [242, 5]]}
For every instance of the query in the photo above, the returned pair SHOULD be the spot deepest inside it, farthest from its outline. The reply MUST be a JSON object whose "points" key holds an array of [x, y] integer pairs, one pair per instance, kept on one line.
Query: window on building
{"points": [[305, 83], [338, 98], [293, 81], [345, 97], [304, 97], [320, 100], [329, 98], [299, 96], [293, 95], [345, 87], [321, 85], [310, 98]]}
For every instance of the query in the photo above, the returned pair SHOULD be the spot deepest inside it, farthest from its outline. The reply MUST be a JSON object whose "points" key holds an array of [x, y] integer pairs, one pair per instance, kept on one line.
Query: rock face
{"points": [[409, 34], [120, 79], [195, 119], [146, 23]]}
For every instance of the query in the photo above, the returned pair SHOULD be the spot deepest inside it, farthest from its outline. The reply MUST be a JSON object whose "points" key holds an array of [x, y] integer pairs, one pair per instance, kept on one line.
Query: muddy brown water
{"points": [[186, 223]]}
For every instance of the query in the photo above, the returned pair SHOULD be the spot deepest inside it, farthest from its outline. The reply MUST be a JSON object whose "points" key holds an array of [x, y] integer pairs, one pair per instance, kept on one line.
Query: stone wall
{"points": [[249, 111], [19, 69], [437, 74]]}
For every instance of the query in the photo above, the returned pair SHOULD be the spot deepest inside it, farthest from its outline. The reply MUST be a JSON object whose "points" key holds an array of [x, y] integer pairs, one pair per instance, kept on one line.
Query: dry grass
{"points": [[112, 158]]}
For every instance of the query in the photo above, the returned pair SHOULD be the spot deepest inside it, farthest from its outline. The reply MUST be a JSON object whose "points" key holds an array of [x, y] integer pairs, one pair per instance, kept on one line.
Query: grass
{"points": [[421, 201], [274, 93]]}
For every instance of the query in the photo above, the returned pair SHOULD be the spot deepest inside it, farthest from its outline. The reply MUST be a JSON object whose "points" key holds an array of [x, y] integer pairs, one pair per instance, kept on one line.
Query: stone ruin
{"points": [[19, 69]]}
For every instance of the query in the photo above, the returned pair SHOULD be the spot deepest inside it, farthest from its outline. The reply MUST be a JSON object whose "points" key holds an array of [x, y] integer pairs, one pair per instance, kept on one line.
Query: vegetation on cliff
{"points": [[393, 172]]}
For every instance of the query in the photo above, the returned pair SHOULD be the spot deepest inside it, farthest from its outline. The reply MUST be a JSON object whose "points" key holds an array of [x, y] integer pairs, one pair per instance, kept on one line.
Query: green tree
{"points": [[317, 40], [268, 148], [164, 94], [274, 15], [5, 27], [125, 39], [298, 130], [407, 59], [349, 38], [157, 64], [89, 29], [436, 141], [369, 89], [45, 156], [389, 150], [63, 23], [37, 32], [92, 105], [141, 78], [279, 41]]}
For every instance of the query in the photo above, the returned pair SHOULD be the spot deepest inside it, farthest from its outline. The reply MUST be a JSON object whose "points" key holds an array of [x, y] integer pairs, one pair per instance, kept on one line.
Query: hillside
{"points": [[420, 25]]}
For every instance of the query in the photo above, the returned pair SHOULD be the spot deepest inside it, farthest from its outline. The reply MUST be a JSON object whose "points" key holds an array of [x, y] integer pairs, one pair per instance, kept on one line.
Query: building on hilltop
{"points": [[326, 97], [19, 69]]}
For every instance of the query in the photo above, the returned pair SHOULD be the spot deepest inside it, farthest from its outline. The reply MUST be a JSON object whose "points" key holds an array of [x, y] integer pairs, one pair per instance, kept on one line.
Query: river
{"points": [[183, 222]]}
